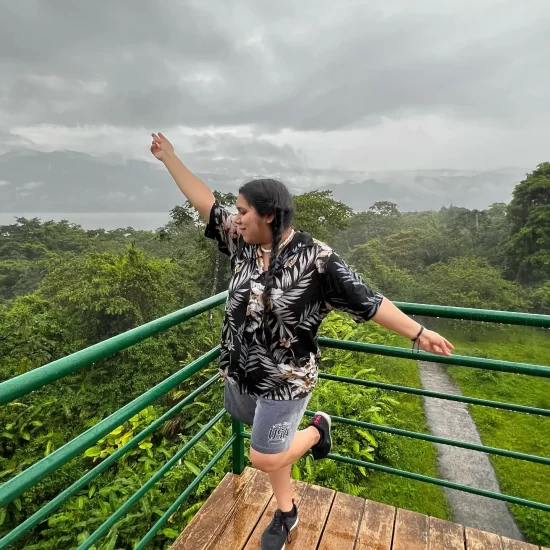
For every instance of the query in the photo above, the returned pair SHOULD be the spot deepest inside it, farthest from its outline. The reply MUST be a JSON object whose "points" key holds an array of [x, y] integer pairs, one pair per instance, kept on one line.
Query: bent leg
{"points": [[275, 443], [301, 443]]}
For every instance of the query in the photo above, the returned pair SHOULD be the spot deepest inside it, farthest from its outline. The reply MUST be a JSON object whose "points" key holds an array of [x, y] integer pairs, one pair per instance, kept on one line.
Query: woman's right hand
{"points": [[196, 192], [161, 147]]}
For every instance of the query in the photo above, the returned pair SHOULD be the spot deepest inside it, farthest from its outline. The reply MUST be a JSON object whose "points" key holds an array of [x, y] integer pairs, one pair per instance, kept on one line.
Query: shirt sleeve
{"points": [[344, 289], [222, 228]]}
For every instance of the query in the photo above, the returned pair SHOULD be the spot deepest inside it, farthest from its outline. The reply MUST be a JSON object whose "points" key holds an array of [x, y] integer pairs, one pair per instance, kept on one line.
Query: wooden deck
{"points": [[237, 512]]}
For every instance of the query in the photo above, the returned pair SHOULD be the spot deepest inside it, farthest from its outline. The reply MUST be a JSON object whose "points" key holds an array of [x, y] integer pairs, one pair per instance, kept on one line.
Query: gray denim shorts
{"points": [[273, 422]]}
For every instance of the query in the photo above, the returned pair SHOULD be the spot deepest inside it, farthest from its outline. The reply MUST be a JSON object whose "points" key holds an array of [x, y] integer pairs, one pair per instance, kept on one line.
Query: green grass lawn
{"points": [[509, 430]]}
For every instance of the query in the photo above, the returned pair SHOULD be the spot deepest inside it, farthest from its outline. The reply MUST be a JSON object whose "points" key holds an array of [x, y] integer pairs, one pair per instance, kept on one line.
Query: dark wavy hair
{"points": [[268, 196]]}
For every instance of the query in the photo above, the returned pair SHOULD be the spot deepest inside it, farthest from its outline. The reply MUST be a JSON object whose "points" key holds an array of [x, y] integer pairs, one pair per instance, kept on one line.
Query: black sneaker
{"points": [[277, 533], [322, 422]]}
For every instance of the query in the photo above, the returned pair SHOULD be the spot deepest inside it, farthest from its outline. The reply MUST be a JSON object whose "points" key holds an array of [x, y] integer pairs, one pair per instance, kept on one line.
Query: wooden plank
{"points": [[221, 502], [481, 540], [445, 535], [376, 529], [510, 544], [343, 523], [314, 511], [298, 490], [238, 525], [411, 531]]}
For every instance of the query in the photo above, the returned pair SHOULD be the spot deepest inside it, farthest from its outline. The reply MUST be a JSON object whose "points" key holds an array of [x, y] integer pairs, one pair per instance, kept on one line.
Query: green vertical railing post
{"points": [[238, 446]]}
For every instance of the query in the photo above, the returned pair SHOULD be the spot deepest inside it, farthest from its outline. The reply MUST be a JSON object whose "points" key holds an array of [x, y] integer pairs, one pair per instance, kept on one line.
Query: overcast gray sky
{"points": [[319, 84]]}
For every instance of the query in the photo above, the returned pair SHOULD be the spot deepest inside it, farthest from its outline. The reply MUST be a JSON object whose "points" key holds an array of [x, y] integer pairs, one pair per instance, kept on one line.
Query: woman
{"points": [[283, 283]]}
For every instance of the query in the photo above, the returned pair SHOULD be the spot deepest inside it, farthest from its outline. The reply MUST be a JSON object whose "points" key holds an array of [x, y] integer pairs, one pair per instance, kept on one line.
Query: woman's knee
{"points": [[265, 462]]}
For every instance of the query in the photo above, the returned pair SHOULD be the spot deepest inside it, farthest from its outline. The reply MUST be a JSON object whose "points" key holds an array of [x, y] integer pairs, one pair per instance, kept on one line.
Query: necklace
{"points": [[282, 245]]}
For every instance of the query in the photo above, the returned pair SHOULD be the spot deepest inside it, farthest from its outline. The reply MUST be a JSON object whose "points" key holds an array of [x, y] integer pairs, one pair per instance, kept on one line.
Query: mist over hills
{"points": [[66, 181]]}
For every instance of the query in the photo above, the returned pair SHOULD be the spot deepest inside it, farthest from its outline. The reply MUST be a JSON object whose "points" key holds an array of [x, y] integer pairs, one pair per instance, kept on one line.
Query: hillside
{"points": [[65, 181]]}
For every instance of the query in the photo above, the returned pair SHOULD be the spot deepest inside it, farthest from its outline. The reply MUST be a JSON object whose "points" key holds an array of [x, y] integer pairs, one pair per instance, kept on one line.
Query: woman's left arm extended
{"points": [[345, 290], [392, 318]]}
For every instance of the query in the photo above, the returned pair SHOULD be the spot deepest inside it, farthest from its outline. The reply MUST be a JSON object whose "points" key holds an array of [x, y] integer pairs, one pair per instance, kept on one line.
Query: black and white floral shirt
{"points": [[310, 279]]}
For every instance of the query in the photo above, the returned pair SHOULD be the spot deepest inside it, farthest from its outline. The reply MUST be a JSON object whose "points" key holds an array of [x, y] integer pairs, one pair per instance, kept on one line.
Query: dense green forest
{"points": [[63, 288]]}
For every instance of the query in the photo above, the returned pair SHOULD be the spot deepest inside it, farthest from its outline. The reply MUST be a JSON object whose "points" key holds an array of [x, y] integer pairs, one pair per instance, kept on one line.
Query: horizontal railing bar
{"points": [[456, 360], [472, 314], [49, 508], [38, 471], [105, 527], [440, 440], [181, 499], [438, 395], [441, 482], [36, 378], [25, 383], [433, 480]]}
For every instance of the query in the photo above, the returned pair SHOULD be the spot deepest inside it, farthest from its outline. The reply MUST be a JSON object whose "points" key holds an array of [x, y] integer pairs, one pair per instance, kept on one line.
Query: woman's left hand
{"points": [[432, 342]]}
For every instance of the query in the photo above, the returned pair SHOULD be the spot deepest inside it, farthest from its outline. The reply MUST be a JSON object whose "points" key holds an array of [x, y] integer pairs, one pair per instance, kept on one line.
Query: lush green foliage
{"points": [[63, 288], [319, 214], [529, 246]]}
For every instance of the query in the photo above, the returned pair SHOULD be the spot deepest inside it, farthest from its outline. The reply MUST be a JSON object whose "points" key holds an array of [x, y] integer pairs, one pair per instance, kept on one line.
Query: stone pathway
{"points": [[452, 420]]}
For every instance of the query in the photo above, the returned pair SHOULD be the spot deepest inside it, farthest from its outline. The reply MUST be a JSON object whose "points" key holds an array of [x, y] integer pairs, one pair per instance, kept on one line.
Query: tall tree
{"points": [[101, 295], [319, 214], [541, 298], [380, 272], [528, 249], [205, 267], [494, 232], [382, 219]]}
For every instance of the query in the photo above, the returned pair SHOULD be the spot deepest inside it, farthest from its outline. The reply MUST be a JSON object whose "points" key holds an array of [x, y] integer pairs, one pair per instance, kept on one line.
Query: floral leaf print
{"points": [[242, 274], [345, 290], [348, 275], [309, 279], [236, 299], [284, 321], [310, 316], [293, 294]]}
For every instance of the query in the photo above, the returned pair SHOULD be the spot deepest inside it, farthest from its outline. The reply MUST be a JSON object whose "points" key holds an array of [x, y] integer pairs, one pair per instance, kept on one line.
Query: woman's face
{"points": [[255, 229]]}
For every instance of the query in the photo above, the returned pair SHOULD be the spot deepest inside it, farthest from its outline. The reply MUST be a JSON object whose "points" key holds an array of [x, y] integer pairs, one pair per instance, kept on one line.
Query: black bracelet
{"points": [[418, 335], [415, 341]]}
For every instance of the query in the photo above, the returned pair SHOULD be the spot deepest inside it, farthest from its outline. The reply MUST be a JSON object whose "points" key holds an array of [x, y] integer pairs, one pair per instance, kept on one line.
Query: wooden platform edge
{"points": [[215, 523]]}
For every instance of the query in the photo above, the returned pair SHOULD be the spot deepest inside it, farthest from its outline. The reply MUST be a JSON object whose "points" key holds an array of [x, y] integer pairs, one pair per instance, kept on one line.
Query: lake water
{"points": [[96, 220]]}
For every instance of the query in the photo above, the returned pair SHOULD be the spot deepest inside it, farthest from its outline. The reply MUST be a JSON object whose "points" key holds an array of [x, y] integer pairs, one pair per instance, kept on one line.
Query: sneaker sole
{"points": [[326, 417], [329, 421], [293, 527]]}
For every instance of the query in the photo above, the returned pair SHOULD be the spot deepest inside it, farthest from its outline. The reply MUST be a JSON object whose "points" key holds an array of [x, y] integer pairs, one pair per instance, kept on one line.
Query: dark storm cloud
{"points": [[137, 63]]}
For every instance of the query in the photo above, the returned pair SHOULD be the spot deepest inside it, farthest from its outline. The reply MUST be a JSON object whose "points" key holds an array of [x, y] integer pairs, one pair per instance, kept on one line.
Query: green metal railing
{"points": [[33, 380]]}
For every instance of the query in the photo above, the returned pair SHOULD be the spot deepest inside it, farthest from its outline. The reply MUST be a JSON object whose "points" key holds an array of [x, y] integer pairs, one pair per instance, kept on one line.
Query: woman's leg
{"points": [[301, 444], [280, 481], [280, 478], [275, 444], [279, 465]]}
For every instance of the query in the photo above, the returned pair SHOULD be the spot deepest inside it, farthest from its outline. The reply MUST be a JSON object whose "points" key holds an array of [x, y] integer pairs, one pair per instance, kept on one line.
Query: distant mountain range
{"points": [[65, 181]]}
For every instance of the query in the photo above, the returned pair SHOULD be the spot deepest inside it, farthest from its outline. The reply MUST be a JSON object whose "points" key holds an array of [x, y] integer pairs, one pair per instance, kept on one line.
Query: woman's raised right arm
{"points": [[197, 192]]}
